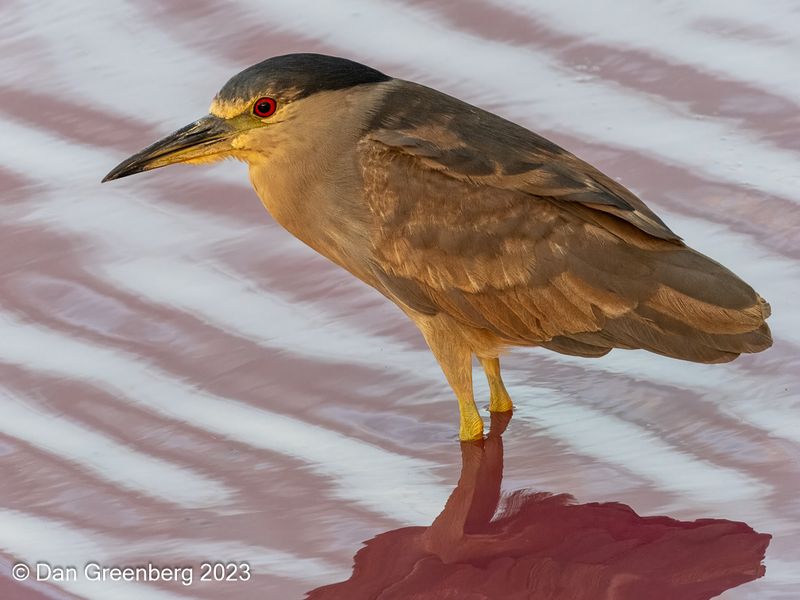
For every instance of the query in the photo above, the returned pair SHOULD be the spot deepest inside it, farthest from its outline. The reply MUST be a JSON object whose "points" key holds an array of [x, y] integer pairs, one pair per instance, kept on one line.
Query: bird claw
{"points": [[471, 431]]}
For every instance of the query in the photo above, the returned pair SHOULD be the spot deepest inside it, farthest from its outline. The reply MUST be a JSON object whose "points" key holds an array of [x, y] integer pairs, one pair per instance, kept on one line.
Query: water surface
{"points": [[181, 381]]}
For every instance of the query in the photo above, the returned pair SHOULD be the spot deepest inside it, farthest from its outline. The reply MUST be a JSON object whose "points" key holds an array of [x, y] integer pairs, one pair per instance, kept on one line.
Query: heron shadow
{"points": [[486, 546]]}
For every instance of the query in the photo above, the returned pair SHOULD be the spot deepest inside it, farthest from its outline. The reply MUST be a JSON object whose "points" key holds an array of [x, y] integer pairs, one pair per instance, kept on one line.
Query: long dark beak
{"points": [[203, 138]]}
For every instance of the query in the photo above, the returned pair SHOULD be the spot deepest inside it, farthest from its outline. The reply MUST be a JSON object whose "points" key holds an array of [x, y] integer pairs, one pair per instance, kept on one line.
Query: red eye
{"points": [[264, 107]]}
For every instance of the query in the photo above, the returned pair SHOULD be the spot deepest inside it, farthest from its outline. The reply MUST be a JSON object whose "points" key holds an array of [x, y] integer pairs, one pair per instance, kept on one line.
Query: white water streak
{"points": [[106, 458], [347, 463], [613, 441], [34, 538], [672, 31]]}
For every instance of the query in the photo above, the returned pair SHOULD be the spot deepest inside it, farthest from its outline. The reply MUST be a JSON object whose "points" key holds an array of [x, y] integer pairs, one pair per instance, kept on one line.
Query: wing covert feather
{"points": [[527, 271], [470, 144]]}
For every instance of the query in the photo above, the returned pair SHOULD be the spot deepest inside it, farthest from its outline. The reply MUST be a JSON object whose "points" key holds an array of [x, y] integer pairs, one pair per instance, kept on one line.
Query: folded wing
{"points": [[505, 231]]}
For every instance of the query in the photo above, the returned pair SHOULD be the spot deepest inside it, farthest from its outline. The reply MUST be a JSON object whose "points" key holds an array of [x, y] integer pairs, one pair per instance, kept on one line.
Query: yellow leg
{"points": [[455, 359], [499, 400]]}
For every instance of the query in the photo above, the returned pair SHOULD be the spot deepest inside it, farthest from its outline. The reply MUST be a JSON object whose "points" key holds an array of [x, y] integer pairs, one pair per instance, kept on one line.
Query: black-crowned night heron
{"points": [[485, 234]]}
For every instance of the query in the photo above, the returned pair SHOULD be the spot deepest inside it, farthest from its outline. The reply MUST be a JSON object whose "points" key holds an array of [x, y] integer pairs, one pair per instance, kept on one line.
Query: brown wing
{"points": [[472, 145], [538, 247]]}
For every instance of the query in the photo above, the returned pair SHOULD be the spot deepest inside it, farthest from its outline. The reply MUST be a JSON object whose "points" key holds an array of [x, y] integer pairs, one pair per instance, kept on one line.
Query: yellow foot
{"points": [[500, 401], [471, 430]]}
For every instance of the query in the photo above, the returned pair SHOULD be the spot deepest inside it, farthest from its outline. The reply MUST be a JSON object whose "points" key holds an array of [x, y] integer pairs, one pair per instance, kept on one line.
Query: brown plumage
{"points": [[485, 234], [511, 235]]}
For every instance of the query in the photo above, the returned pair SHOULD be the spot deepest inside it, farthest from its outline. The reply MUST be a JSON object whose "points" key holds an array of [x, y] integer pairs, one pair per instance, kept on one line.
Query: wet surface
{"points": [[182, 382], [539, 545]]}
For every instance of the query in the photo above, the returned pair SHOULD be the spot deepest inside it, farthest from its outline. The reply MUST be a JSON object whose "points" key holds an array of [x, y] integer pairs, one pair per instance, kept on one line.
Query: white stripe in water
{"points": [[770, 404], [233, 304], [614, 441], [415, 495], [674, 31], [107, 458], [102, 60], [38, 540], [32, 538], [782, 572], [774, 19], [600, 110], [79, 197]]}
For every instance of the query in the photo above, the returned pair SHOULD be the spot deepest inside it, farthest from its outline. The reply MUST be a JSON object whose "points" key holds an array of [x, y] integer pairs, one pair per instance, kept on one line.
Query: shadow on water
{"points": [[545, 546]]}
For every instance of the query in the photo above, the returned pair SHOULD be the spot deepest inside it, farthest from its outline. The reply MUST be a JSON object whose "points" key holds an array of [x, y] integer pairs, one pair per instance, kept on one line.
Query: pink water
{"points": [[182, 382]]}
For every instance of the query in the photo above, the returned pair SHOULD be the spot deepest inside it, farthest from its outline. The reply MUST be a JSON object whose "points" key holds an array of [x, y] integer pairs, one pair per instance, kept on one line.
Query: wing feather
{"points": [[508, 233]]}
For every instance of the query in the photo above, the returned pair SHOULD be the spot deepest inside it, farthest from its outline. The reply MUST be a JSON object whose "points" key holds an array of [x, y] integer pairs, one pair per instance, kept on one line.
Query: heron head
{"points": [[252, 112]]}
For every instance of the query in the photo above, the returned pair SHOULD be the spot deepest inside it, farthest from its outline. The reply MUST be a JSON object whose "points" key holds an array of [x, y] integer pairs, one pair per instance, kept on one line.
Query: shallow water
{"points": [[182, 382]]}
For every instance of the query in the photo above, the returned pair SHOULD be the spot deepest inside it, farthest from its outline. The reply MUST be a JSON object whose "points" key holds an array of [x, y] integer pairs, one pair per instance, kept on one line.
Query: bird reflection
{"points": [[545, 546]]}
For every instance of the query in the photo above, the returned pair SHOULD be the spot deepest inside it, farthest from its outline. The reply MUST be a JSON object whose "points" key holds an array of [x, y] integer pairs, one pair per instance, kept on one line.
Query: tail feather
{"points": [[705, 316], [697, 311]]}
